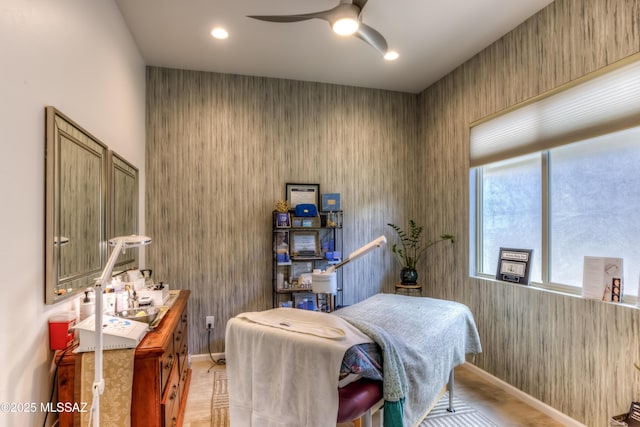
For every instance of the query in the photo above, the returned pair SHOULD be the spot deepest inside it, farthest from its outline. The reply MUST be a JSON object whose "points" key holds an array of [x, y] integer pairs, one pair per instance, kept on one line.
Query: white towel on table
{"points": [[268, 357]]}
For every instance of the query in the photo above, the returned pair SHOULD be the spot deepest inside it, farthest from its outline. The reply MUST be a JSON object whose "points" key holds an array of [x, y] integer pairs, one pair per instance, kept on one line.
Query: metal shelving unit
{"points": [[300, 247]]}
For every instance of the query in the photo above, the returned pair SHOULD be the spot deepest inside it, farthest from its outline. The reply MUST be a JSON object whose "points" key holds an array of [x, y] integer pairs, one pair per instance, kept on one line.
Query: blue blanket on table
{"points": [[422, 340]]}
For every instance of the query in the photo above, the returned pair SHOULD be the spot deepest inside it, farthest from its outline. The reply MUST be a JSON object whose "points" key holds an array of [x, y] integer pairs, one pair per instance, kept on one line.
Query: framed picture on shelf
{"points": [[330, 202], [302, 194], [514, 265], [305, 244], [283, 220]]}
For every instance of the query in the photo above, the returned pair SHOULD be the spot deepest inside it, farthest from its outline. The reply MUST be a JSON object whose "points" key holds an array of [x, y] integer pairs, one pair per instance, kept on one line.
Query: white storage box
{"points": [[158, 296]]}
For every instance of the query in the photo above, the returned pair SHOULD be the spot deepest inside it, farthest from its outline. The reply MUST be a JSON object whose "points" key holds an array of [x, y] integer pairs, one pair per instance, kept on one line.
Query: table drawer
{"points": [[166, 363], [171, 399]]}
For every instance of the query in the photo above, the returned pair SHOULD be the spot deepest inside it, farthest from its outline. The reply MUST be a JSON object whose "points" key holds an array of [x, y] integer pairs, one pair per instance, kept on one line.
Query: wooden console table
{"points": [[161, 373]]}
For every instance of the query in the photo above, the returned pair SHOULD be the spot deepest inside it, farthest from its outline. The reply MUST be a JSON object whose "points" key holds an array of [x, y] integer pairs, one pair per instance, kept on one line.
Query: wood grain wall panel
{"points": [[573, 354], [220, 149]]}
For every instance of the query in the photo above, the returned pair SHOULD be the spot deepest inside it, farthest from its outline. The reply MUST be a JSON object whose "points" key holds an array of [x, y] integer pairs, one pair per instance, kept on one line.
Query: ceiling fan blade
{"points": [[372, 38], [325, 14], [282, 18]]}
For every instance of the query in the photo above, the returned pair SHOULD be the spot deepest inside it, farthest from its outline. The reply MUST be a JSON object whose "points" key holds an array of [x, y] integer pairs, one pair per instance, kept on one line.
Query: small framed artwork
{"points": [[305, 244], [514, 265], [283, 220], [331, 202], [302, 194]]}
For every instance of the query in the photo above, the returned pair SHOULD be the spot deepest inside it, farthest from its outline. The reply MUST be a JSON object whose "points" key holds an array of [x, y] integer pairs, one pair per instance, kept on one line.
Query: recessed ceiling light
{"points": [[391, 55], [219, 33]]}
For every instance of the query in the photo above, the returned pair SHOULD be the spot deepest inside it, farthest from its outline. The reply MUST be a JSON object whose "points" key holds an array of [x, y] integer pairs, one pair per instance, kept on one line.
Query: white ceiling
{"points": [[432, 37]]}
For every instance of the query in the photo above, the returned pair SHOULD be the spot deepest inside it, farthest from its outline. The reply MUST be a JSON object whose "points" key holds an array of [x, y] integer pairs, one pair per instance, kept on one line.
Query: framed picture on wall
{"points": [[302, 194]]}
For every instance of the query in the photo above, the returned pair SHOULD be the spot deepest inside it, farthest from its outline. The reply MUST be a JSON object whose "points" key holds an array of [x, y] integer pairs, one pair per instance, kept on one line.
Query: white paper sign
{"points": [[602, 278]]}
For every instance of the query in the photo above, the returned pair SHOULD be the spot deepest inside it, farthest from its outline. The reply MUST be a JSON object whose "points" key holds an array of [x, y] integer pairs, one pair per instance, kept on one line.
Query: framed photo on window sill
{"points": [[514, 265]]}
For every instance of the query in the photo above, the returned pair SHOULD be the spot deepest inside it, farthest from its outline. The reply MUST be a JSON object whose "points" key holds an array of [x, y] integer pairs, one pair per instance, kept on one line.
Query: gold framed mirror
{"points": [[91, 195], [123, 205], [75, 230]]}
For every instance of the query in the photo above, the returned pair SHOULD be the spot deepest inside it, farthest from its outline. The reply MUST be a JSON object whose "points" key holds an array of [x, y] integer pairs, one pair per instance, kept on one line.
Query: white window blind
{"points": [[599, 105]]}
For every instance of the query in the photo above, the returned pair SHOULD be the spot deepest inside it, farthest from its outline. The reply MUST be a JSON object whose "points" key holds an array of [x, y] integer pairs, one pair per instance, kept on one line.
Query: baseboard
{"points": [[206, 357], [529, 400]]}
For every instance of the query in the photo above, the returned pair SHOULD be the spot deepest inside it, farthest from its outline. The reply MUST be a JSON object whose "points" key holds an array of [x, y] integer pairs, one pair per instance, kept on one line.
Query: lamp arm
{"points": [[359, 252], [111, 262], [368, 247], [100, 285]]}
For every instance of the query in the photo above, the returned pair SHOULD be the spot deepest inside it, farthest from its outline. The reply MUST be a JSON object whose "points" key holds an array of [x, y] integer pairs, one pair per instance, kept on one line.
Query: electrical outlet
{"points": [[209, 322]]}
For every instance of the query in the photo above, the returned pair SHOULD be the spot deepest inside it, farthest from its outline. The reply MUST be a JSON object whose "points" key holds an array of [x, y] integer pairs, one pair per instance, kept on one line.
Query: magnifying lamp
{"points": [[325, 283], [119, 244]]}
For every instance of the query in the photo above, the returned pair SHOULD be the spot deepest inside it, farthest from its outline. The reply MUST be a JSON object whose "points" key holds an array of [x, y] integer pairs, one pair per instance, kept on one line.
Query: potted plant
{"points": [[410, 249]]}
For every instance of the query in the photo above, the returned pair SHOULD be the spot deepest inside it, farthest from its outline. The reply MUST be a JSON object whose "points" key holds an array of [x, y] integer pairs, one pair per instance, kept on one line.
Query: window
{"points": [[564, 190], [592, 200], [510, 211]]}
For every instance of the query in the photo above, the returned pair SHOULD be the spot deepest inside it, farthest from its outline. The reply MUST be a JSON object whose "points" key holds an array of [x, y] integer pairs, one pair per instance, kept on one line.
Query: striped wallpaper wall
{"points": [[220, 149], [573, 354]]}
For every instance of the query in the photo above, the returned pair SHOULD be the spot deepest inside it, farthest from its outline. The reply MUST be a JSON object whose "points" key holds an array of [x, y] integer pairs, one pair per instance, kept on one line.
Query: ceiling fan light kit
{"points": [[345, 26], [344, 20]]}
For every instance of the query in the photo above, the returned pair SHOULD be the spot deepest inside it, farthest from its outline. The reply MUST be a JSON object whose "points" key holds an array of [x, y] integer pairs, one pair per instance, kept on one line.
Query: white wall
{"points": [[78, 56]]}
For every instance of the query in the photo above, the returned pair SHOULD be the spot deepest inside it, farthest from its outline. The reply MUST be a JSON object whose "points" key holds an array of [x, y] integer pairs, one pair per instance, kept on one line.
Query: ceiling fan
{"points": [[345, 21]]}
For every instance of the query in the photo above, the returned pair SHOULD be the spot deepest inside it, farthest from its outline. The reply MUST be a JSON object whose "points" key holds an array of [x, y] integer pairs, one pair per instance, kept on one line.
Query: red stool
{"points": [[357, 399]]}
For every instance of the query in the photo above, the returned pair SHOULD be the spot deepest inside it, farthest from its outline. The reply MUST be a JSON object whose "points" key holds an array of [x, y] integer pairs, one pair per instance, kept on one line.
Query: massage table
{"points": [[284, 365]]}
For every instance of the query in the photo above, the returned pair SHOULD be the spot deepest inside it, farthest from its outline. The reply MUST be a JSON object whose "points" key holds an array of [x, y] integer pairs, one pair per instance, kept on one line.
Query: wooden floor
{"points": [[502, 408], [499, 406]]}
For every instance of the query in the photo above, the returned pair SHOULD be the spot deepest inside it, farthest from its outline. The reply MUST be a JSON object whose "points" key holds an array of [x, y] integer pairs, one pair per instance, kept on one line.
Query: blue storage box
{"points": [[306, 210]]}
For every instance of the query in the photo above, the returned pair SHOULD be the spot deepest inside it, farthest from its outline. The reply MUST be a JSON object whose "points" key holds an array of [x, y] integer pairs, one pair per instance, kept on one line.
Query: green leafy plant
{"points": [[411, 246]]}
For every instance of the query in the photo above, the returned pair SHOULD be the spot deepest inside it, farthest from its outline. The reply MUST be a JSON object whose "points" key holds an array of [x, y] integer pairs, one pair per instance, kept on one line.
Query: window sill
{"points": [[570, 291]]}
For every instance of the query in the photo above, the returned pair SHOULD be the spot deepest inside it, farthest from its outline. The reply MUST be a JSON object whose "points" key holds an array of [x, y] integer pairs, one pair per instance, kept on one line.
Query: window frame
{"points": [[476, 233]]}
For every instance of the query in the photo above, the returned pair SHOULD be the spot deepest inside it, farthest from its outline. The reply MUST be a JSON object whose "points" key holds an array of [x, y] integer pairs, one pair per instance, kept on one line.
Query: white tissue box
{"points": [[159, 297]]}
